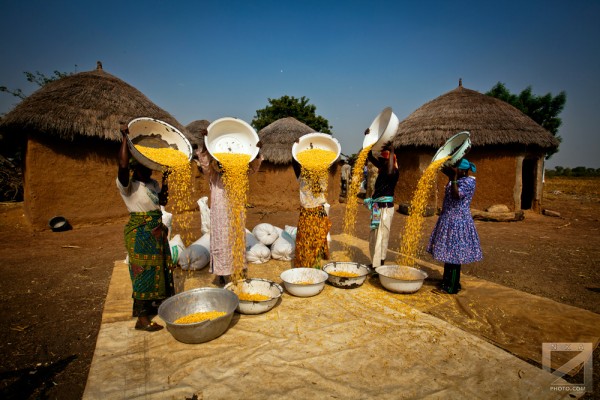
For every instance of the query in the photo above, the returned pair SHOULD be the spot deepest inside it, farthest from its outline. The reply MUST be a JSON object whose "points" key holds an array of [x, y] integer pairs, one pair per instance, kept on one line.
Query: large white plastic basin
{"points": [[231, 135], [317, 140], [456, 147], [382, 130], [152, 132]]}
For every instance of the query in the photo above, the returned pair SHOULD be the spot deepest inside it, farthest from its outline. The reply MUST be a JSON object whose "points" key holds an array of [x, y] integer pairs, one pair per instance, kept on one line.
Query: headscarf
{"points": [[466, 164], [386, 154]]}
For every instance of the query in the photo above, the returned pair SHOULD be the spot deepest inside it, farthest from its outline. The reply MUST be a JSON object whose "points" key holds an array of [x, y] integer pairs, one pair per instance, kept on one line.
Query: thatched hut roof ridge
{"points": [[278, 137], [91, 103], [491, 122]]}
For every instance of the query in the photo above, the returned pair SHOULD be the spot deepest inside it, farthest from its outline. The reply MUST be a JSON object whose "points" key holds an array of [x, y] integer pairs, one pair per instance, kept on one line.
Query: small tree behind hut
{"points": [[287, 106]]}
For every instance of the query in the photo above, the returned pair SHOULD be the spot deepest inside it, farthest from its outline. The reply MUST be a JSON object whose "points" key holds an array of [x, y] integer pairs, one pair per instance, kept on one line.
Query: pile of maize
{"points": [[411, 237], [235, 180], [243, 296], [344, 274], [199, 317], [180, 183]]}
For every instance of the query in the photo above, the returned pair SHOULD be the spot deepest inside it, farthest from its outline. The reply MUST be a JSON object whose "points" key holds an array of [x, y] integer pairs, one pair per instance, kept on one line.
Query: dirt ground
{"points": [[54, 283]]}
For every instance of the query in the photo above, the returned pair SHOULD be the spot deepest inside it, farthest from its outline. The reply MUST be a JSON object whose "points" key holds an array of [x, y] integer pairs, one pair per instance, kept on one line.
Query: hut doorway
{"points": [[528, 180]]}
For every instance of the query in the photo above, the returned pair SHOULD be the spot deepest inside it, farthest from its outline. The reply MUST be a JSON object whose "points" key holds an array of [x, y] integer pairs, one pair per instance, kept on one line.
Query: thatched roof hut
{"points": [[194, 130], [71, 130], [278, 137], [507, 146], [275, 186]]}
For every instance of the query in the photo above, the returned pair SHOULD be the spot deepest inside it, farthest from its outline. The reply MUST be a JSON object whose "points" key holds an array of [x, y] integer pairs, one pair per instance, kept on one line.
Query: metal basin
{"points": [[256, 286], [401, 278], [346, 282], [198, 300], [295, 280]]}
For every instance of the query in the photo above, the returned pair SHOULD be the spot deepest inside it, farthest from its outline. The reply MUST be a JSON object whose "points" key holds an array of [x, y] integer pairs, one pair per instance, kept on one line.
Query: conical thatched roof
{"points": [[278, 137], [489, 120], [90, 103], [193, 129]]}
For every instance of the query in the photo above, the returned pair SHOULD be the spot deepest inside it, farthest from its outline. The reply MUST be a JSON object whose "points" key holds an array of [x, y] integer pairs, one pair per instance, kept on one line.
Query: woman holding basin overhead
{"points": [[222, 263], [454, 239]]}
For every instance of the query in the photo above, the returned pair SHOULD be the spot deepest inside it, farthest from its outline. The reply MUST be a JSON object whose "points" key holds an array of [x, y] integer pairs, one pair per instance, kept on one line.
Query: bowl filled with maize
{"points": [[148, 137], [304, 282], [456, 147], [317, 148], [401, 278], [256, 295], [231, 135], [346, 275], [382, 130], [198, 315]]}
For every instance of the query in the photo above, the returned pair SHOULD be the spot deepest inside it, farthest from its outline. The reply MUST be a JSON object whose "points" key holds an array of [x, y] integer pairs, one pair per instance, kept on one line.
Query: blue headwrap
{"points": [[466, 164]]}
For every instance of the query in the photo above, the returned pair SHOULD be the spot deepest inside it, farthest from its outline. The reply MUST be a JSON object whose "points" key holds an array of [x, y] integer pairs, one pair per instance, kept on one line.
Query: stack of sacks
{"points": [[283, 248], [256, 251]]}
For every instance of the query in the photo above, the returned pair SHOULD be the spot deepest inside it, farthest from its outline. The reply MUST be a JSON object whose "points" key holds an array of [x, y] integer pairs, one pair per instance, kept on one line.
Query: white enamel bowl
{"points": [[317, 140], [346, 282], [456, 147], [295, 281], [382, 130], [231, 135], [401, 278], [256, 286]]}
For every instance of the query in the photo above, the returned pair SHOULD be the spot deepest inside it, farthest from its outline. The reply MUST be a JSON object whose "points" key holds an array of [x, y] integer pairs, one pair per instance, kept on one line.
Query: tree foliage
{"points": [[576, 172], [287, 106], [36, 77], [542, 109]]}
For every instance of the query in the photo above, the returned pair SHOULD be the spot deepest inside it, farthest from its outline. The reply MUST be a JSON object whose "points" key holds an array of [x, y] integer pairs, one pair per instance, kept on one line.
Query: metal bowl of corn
{"points": [[401, 278], [256, 295], [346, 275], [199, 303], [304, 282]]}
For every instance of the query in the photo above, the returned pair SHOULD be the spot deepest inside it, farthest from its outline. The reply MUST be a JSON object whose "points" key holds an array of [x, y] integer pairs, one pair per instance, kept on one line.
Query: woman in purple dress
{"points": [[454, 239]]}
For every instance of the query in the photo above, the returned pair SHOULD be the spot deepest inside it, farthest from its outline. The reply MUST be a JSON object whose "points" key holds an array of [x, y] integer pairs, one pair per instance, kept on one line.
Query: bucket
{"points": [[154, 133], [382, 130], [456, 147], [317, 140], [231, 135]]}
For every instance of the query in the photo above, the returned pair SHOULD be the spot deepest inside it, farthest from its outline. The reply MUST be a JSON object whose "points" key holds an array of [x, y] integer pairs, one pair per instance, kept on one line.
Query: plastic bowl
{"points": [[198, 300], [456, 147], [346, 282], [382, 130], [152, 132], [317, 140], [293, 277], [256, 286], [231, 135], [401, 278]]}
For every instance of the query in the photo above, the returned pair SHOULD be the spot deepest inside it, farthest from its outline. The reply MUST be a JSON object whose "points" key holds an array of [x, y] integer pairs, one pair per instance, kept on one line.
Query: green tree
{"points": [[287, 106], [542, 109], [36, 77]]}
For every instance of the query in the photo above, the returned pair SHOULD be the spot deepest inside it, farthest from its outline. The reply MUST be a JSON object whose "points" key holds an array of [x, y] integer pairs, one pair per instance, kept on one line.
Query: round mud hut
{"points": [[275, 185], [508, 149], [69, 129]]}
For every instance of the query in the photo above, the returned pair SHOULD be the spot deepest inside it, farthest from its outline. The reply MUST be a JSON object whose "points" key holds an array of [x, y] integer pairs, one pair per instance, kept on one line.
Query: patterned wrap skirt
{"points": [[311, 237]]}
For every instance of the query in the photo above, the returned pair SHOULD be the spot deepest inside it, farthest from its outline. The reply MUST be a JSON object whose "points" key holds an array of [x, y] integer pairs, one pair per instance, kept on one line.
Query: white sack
{"points": [[167, 220], [283, 248], [204, 215], [265, 233], [256, 252], [197, 255], [177, 247]]}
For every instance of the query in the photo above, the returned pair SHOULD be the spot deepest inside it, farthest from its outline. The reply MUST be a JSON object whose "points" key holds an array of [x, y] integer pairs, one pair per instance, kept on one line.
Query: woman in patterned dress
{"points": [[454, 239]]}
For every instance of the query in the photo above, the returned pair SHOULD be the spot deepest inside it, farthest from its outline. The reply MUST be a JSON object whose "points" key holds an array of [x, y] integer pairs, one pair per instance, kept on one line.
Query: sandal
{"points": [[151, 327]]}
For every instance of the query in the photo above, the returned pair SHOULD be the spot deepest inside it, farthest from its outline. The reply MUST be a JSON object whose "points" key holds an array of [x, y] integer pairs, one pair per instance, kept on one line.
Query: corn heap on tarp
{"points": [[180, 174], [411, 237], [235, 180]]}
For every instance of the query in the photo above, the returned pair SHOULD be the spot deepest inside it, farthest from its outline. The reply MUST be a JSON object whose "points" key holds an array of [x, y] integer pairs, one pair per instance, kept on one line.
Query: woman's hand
{"points": [[124, 129], [450, 172]]}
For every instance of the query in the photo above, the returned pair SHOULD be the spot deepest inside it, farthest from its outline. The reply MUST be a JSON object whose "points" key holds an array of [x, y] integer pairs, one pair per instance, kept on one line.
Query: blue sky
{"points": [[210, 59]]}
